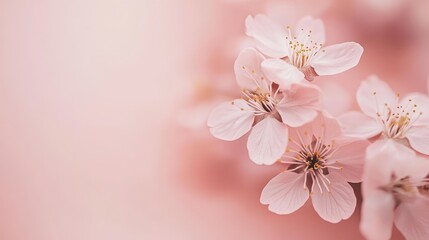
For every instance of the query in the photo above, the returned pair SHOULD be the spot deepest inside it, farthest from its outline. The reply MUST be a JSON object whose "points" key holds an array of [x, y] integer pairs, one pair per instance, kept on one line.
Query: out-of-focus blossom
{"points": [[386, 116], [321, 162], [265, 108], [298, 53], [395, 190]]}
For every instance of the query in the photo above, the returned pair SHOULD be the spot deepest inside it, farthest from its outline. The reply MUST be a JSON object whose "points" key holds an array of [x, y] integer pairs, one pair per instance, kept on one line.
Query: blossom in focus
{"points": [[264, 108], [320, 163], [395, 190], [385, 115], [298, 53]]}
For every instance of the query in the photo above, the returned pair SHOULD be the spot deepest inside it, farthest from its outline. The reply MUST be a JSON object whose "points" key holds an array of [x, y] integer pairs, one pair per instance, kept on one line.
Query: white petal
{"points": [[337, 58], [421, 101], [377, 216], [352, 158], [247, 68], [285, 193], [357, 124], [270, 36], [267, 141], [412, 219], [373, 94], [282, 73], [300, 105], [385, 157], [230, 120], [308, 24], [419, 139], [337, 204]]}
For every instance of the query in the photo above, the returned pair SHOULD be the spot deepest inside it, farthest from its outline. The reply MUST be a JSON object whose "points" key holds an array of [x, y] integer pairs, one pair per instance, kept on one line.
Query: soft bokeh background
{"points": [[103, 106]]}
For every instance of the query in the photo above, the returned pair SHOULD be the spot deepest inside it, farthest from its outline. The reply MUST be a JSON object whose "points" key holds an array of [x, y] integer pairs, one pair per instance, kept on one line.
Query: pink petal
{"points": [[247, 68], [373, 94], [326, 127], [230, 120], [419, 139], [322, 126], [285, 193], [412, 219], [422, 102], [300, 105], [419, 168], [337, 58], [357, 124], [316, 27], [351, 157], [267, 141], [377, 216], [282, 72], [337, 204], [299, 136], [385, 157], [270, 37]]}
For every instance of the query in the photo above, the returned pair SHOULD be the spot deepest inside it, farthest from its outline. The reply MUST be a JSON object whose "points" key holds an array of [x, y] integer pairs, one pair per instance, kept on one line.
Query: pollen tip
{"points": [[374, 93]]}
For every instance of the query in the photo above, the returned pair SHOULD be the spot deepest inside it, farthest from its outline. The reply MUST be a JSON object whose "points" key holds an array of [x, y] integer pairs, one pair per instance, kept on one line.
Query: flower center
{"points": [[302, 48], [396, 121], [262, 102], [407, 187], [264, 98], [312, 160]]}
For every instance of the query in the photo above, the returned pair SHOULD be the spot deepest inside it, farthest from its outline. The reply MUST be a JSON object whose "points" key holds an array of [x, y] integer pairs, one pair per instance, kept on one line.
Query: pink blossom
{"points": [[395, 191], [321, 162], [265, 108], [298, 53], [385, 115]]}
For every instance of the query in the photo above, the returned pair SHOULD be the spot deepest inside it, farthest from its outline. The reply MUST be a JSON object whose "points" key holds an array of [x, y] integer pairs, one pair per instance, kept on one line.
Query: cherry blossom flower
{"points": [[395, 192], [265, 108], [320, 163], [385, 115], [298, 53]]}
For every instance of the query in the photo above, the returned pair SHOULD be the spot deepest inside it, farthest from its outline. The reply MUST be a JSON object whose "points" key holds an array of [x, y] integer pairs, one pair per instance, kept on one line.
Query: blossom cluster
{"points": [[385, 145]]}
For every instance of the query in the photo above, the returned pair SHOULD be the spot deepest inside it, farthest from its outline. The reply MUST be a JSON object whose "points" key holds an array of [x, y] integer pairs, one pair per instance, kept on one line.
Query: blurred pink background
{"points": [[103, 107]]}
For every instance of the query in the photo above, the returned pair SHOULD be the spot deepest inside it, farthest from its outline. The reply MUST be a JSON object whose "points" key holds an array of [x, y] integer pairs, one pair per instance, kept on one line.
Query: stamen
{"points": [[317, 181], [305, 180]]}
